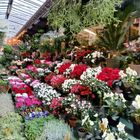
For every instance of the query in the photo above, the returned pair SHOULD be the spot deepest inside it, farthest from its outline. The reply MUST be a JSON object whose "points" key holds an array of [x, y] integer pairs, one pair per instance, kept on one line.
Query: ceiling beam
{"points": [[9, 7]]}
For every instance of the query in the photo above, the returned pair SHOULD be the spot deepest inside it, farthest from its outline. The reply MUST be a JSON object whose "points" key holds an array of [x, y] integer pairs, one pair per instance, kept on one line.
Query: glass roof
{"points": [[21, 11]]}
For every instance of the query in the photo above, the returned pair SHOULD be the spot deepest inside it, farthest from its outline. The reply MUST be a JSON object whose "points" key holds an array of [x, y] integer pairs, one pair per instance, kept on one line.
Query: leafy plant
{"points": [[75, 16], [8, 49], [11, 127], [113, 36], [34, 127], [56, 130], [3, 82]]}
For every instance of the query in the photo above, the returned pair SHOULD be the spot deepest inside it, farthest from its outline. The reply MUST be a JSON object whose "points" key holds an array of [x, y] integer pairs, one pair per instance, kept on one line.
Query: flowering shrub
{"points": [[57, 80], [108, 75], [46, 93], [67, 85], [78, 70], [63, 67]]}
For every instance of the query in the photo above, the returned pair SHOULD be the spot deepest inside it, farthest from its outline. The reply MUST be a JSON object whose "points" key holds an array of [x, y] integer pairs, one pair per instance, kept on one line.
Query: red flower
{"points": [[57, 80], [108, 75], [80, 54], [63, 67], [48, 78], [37, 61], [78, 70], [80, 89]]}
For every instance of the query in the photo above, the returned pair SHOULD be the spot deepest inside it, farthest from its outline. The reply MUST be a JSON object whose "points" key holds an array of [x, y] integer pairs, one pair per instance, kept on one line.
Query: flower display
{"points": [[31, 68], [67, 85], [108, 75], [80, 89], [57, 80], [28, 101], [46, 93], [63, 67], [78, 70]]}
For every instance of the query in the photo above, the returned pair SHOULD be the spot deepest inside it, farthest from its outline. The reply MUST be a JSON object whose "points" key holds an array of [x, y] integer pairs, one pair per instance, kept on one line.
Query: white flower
{"points": [[110, 136], [122, 74], [96, 115], [91, 122], [136, 102], [25, 95], [121, 127], [85, 119], [105, 122], [131, 72]]}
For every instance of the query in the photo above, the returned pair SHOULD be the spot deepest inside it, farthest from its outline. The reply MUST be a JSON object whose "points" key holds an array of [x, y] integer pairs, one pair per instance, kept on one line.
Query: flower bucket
{"points": [[136, 130], [81, 132]]}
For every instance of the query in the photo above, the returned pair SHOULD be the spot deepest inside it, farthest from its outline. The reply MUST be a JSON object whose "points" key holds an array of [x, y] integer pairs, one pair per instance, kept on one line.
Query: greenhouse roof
{"points": [[18, 12]]}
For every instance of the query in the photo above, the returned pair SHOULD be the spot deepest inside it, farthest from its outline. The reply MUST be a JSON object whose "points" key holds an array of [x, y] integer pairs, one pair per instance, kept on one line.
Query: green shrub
{"points": [[11, 127], [56, 130], [34, 127]]}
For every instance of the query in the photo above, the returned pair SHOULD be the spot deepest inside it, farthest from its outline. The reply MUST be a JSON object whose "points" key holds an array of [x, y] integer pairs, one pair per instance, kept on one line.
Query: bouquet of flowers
{"points": [[46, 93]]}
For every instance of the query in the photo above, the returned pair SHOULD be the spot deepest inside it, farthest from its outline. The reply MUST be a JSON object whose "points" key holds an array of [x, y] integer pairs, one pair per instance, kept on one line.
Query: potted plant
{"points": [[115, 105], [4, 87], [135, 116]]}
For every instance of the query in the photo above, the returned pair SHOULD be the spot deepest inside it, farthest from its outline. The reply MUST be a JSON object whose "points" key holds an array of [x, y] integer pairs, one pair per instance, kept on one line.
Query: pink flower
{"points": [[28, 102]]}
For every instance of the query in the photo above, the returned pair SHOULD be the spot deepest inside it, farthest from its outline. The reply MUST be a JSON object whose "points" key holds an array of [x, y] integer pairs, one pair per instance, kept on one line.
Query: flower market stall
{"points": [[53, 87]]}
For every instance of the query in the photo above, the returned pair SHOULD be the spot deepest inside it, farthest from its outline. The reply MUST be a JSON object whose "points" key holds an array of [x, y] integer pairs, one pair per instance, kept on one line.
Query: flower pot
{"points": [[4, 89], [81, 132], [136, 130], [72, 121], [113, 122]]}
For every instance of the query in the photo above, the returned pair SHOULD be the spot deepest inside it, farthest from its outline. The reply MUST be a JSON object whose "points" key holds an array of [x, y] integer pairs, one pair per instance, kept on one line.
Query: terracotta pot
{"points": [[72, 121], [136, 130], [4, 89], [81, 132]]}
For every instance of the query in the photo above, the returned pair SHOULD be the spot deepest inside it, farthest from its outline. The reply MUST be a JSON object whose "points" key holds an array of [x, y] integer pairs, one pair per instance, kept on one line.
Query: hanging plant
{"points": [[74, 16]]}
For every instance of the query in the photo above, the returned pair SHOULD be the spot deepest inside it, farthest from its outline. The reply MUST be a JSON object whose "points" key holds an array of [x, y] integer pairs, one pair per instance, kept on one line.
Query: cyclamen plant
{"points": [[67, 85], [46, 93], [94, 56]]}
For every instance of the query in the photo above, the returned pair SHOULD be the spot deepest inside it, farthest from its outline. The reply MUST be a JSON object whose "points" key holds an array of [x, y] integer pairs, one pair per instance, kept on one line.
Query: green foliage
{"points": [[3, 82], [22, 48], [113, 36], [56, 130], [34, 127], [74, 16], [8, 49], [1, 38], [11, 127]]}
